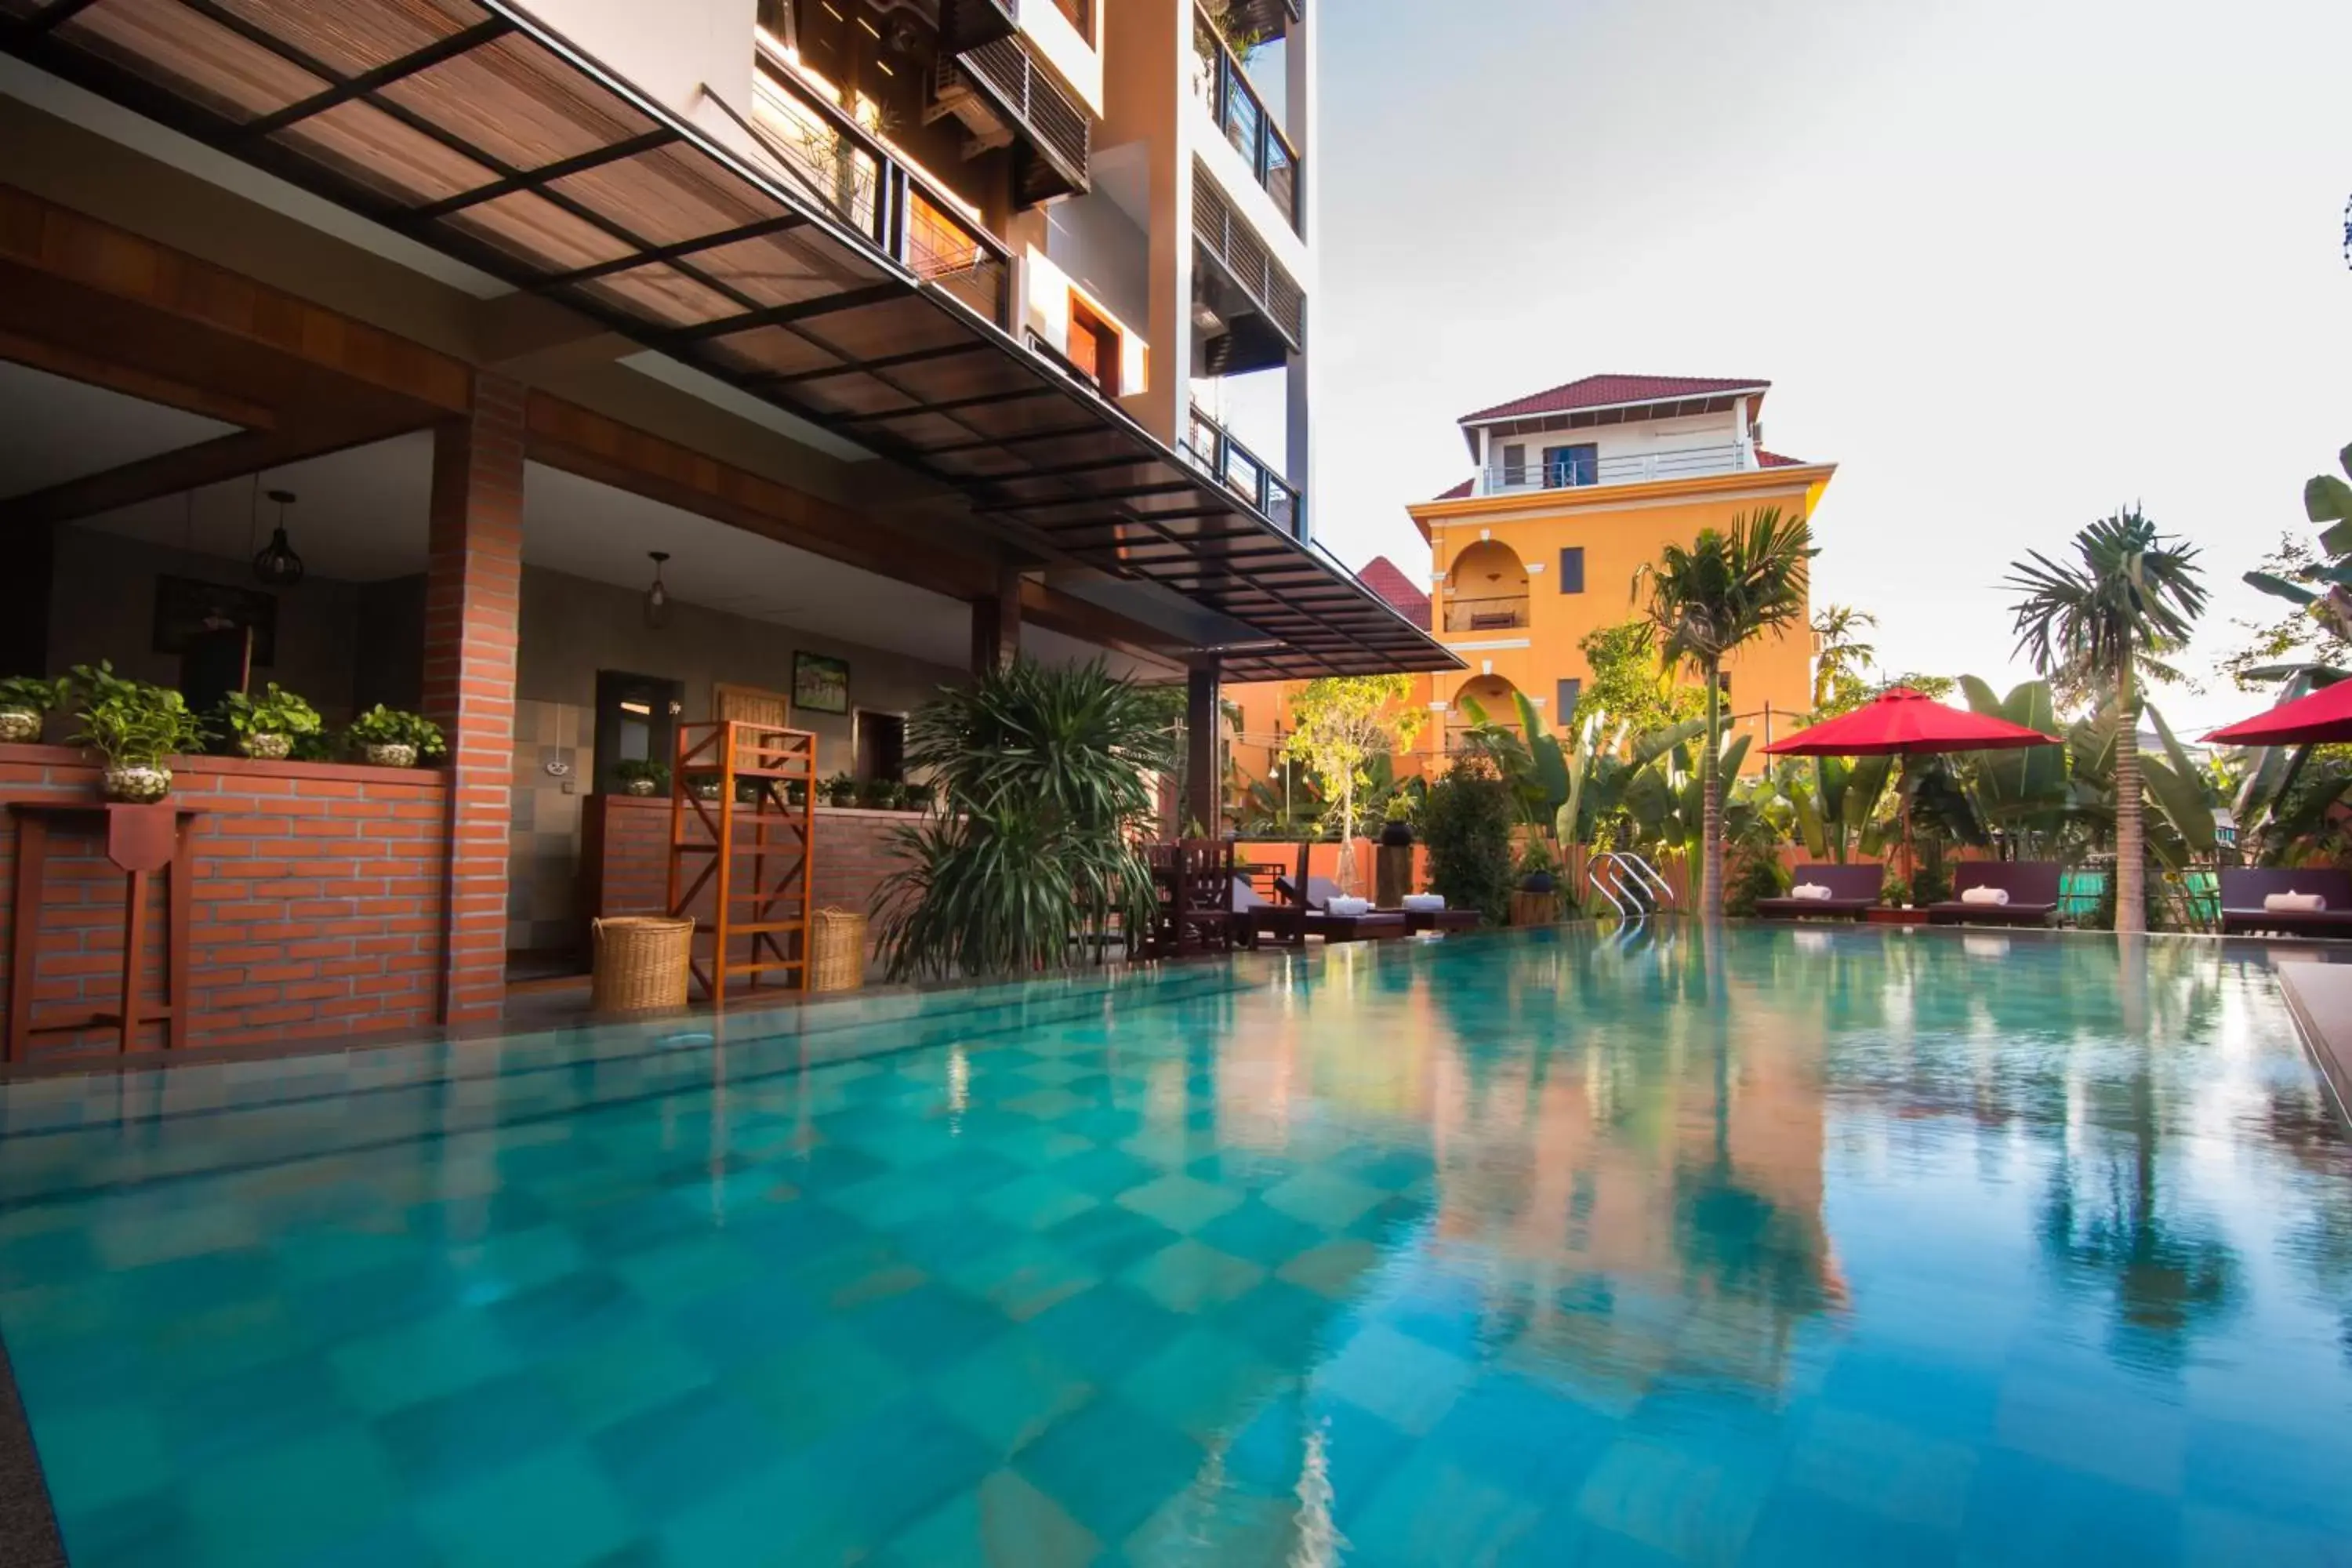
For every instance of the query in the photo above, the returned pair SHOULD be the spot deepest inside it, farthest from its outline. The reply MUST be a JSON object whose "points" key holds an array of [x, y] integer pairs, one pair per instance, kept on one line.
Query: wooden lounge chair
{"points": [[2243, 888], [1853, 893], [1374, 924], [1195, 879], [2032, 887]]}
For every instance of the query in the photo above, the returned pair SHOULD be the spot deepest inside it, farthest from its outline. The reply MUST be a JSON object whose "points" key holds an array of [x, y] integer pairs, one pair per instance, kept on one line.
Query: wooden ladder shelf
{"points": [[742, 852]]}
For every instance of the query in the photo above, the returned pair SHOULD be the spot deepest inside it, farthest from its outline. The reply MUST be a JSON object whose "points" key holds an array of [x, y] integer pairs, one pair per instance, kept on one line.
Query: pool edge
{"points": [[2330, 1054], [29, 1537]]}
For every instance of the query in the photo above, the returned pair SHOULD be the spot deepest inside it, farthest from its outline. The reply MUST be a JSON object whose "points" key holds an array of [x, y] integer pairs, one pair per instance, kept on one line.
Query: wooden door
{"points": [[751, 705]]}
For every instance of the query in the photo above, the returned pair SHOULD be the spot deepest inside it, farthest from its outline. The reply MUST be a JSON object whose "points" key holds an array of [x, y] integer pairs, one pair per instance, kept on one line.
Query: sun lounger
{"points": [[2032, 885], [1853, 893], [2244, 888]]}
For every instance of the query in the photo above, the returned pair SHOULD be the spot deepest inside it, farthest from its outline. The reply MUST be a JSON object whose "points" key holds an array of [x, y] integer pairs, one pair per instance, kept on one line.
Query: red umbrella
{"points": [[1901, 722], [2324, 715]]}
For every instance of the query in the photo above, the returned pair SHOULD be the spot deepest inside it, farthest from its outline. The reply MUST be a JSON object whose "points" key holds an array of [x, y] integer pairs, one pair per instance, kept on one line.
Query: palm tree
{"points": [[1839, 655], [1727, 589], [2131, 591]]}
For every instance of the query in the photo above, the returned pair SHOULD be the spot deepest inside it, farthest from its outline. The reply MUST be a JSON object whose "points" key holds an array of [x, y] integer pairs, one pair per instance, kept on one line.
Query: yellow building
{"points": [[1576, 488]]}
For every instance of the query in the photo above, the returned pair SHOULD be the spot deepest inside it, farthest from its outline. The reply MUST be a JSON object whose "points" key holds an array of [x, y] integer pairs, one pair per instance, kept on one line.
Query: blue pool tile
{"points": [[2025, 1511], [1108, 1329], [488, 1428], [1110, 1237], [567, 1313], [930, 1327], [1110, 1465], [663, 1458], [905, 1458]]}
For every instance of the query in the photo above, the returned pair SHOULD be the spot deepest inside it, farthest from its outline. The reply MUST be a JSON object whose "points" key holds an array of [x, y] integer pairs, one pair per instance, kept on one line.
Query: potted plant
{"points": [[878, 794], [841, 790], [640, 777], [705, 787], [134, 726], [1537, 899], [265, 726], [391, 738], [24, 702], [1396, 822]]}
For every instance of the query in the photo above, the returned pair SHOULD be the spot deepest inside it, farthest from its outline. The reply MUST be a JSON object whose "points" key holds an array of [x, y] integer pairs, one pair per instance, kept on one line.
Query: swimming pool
{"points": [[1794, 1246]]}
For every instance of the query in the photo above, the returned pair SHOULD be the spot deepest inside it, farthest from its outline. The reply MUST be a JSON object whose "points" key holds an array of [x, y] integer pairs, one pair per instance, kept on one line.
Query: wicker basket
{"points": [[837, 951], [640, 963]]}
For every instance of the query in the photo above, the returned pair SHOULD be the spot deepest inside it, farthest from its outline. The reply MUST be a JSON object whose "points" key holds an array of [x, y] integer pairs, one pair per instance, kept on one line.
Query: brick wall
{"points": [[473, 606], [624, 854], [318, 899]]}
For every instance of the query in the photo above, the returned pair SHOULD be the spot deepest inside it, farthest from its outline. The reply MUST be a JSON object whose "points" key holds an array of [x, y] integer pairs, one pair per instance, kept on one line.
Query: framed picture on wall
{"points": [[820, 683], [186, 610]]}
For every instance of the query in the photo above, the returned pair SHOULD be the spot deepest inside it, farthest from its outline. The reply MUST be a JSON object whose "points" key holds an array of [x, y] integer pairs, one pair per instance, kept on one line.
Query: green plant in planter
{"points": [[1466, 823], [391, 738], [841, 789], [1396, 826], [878, 794], [641, 777], [24, 702], [265, 726], [1538, 867], [134, 726]]}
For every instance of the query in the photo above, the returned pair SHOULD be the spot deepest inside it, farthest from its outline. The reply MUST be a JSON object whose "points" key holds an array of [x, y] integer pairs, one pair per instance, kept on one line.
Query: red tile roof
{"points": [[1458, 491], [1765, 460], [1382, 577], [1607, 391]]}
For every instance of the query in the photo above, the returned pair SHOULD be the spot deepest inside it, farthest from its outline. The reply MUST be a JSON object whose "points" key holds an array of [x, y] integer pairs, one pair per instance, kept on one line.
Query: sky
{"points": [[2010, 264]]}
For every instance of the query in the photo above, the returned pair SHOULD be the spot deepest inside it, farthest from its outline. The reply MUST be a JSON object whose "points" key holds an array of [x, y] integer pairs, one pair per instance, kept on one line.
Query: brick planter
{"points": [[320, 896]]}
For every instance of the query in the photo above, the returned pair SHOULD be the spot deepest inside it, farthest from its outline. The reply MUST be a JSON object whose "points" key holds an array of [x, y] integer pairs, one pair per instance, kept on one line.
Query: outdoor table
{"points": [[140, 840]]}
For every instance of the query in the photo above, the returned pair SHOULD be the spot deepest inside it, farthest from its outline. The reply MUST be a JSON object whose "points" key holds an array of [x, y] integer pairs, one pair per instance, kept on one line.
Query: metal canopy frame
{"points": [[468, 126]]}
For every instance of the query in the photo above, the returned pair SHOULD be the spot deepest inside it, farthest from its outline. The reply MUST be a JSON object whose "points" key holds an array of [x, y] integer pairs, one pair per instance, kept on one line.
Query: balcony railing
{"points": [[1224, 89], [1213, 449], [1570, 473], [908, 216], [1499, 615]]}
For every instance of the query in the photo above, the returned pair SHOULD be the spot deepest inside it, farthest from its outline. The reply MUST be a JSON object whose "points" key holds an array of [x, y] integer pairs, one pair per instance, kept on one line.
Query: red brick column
{"points": [[472, 604]]}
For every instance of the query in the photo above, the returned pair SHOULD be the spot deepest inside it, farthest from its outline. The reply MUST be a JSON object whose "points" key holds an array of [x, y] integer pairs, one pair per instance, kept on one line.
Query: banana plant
{"points": [[2323, 590], [1836, 803], [2024, 792], [1666, 799]]}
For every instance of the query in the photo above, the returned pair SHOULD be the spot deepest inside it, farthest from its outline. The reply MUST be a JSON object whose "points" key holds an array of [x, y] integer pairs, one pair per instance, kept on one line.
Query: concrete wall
{"points": [[102, 606], [571, 628]]}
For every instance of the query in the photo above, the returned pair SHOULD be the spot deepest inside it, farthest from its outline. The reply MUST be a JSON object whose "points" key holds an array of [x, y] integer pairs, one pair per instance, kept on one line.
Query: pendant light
{"points": [[658, 595], [277, 566]]}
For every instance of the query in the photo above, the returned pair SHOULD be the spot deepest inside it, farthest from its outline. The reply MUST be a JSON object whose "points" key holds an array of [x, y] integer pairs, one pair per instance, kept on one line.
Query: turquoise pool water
{"points": [[1799, 1248]]}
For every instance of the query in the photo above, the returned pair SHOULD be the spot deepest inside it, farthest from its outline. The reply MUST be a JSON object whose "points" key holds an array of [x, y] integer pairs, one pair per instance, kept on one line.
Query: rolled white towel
{"points": [[1985, 896], [2296, 903], [1347, 907], [1425, 904], [1810, 890]]}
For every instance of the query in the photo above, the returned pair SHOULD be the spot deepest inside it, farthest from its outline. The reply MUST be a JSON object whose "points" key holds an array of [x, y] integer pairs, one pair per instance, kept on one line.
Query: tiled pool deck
{"points": [[1788, 1248]]}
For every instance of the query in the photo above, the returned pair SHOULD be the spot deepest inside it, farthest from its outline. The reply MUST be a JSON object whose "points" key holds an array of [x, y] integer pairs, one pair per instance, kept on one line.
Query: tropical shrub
{"points": [[1755, 872], [1344, 721], [1466, 825], [1043, 773]]}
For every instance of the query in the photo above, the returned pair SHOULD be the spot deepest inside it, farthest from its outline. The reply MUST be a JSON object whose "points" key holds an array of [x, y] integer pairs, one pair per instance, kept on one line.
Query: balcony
{"points": [[1573, 473], [1464, 616], [1002, 94], [1215, 450], [1226, 91], [869, 187], [1253, 314]]}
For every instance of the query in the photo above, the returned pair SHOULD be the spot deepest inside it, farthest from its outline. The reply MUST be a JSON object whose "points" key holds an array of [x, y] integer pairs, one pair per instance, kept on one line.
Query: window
{"points": [[1094, 347], [1571, 570], [1568, 466], [1564, 701], [1515, 463]]}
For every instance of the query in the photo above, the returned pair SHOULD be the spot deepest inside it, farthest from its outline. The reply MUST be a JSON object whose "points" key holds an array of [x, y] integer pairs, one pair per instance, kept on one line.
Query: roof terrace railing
{"points": [[1506, 613], [1224, 88], [909, 216], [1214, 449], [1571, 473]]}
